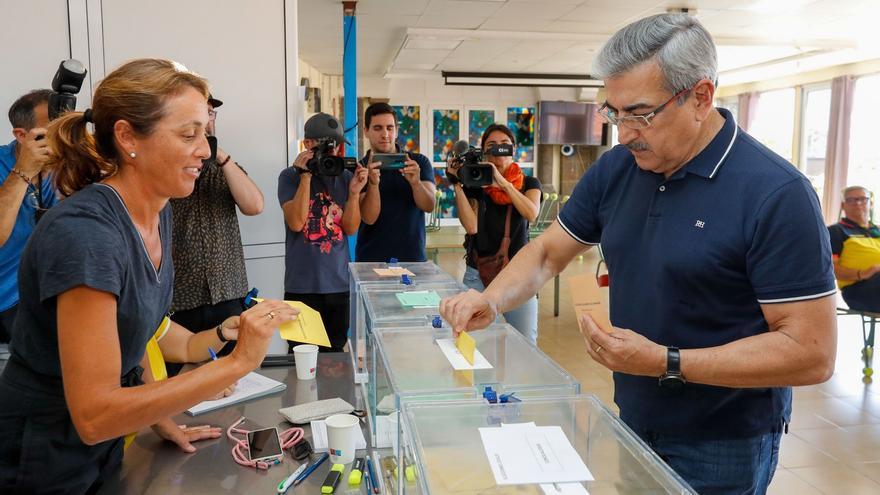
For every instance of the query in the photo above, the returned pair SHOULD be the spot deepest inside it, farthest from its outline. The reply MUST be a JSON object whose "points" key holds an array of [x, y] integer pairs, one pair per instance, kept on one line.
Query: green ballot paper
{"points": [[419, 299]]}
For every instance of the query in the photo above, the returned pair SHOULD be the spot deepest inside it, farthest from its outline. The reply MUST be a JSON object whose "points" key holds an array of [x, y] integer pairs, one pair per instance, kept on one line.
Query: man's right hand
{"points": [[468, 311], [302, 159], [257, 325], [34, 152]]}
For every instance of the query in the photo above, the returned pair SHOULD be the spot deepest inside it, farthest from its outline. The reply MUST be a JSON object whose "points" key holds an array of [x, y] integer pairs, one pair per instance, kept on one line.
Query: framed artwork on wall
{"points": [[521, 121], [446, 130], [408, 127], [478, 121]]}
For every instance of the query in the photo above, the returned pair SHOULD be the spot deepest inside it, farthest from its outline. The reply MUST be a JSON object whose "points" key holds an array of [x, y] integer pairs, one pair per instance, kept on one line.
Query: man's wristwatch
{"points": [[672, 379]]}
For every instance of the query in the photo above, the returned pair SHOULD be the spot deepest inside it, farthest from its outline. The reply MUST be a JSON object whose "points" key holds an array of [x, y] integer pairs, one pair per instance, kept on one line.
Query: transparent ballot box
{"points": [[383, 307], [410, 365], [364, 274], [445, 454]]}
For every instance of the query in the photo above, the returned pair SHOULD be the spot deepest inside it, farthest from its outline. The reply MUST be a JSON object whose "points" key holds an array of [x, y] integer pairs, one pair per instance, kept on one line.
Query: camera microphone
{"points": [[460, 147]]}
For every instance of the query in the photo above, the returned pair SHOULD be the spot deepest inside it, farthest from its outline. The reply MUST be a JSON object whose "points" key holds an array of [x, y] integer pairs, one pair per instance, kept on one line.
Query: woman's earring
{"points": [[132, 154]]}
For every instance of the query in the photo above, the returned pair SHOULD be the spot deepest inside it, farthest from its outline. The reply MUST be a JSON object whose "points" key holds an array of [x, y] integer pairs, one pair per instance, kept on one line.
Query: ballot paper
{"points": [[419, 298], [588, 300], [394, 271], [251, 386], [527, 454], [307, 328], [466, 345], [319, 437], [458, 362], [564, 489]]}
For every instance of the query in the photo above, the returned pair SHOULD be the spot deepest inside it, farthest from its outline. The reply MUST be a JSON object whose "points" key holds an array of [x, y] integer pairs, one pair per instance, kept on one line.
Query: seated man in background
{"points": [[210, 281], [24, 191], [855, 246], [320, 210]]}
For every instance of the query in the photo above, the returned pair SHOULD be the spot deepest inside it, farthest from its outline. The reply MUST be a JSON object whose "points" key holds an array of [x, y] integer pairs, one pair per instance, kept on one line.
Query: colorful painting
{"points": [[446, 127], [408, 120], [446, 193], [478, 121], [521, 121]]}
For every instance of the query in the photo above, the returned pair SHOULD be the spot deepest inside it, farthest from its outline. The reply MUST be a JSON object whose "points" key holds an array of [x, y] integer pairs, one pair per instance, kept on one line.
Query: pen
{"points": [[284, 485], [311, 468], [373, 481], [213, 354]]}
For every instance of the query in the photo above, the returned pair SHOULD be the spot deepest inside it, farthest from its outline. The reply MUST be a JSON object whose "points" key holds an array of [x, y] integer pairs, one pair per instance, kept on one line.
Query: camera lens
{"points": [[475, 173]]}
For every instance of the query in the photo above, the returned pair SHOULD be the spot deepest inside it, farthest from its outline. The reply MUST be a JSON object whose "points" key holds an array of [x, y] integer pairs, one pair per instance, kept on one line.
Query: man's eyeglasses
{"points": [[857, 200], [635, 121], [34, 201]]}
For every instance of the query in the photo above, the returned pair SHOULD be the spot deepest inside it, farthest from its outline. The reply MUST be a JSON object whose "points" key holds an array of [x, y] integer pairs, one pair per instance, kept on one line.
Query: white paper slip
{"points": [[564, 489], [384, 430], [458, 361], [524, 456], [250, 386], [319, 437]]}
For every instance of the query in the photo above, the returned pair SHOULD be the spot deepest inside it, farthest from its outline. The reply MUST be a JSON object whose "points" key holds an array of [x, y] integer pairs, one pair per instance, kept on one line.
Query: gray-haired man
{"points": [[715, 246]]}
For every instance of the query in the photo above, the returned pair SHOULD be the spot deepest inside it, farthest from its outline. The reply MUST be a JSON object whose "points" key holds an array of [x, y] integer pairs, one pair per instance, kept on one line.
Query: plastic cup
{"points": [[306, 356], [341, 435]]}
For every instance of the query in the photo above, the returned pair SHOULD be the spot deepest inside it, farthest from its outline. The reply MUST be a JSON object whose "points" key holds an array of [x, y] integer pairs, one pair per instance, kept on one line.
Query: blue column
{"points": [[349, 81], [349, 88]]}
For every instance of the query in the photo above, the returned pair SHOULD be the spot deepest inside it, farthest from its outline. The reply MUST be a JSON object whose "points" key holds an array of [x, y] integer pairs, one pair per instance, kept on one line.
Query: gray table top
{"points": [[153, 466]]}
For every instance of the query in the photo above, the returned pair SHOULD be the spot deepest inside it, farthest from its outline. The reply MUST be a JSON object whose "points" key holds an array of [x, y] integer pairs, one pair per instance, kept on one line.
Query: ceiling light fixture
{"points": [[520, 79]]}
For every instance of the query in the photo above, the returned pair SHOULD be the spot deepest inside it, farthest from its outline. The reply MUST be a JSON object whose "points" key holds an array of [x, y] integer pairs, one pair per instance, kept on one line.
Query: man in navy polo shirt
{"points": [[714, 245], [394, 204]]}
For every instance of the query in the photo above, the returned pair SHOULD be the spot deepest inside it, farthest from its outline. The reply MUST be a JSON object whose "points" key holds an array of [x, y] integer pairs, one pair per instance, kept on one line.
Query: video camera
{"points": [[325, 163], [473, 171], [65, 85]]}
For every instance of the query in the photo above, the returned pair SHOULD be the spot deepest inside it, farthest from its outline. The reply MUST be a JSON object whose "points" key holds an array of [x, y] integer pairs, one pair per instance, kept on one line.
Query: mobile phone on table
{"points": [[390, 161], [264, 445]]}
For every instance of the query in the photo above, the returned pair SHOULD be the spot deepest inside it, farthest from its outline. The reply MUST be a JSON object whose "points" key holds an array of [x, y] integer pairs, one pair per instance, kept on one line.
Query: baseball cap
{"points": [[214, 101], [322, 125]]}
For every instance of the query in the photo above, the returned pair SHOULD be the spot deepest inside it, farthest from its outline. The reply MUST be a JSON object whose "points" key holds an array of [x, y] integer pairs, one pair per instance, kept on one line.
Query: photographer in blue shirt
{"points": [[721, 283], [25, 192]]}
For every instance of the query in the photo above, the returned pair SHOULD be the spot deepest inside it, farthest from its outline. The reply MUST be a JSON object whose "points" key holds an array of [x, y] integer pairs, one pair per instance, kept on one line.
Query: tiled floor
{"points": [[834, 442]]}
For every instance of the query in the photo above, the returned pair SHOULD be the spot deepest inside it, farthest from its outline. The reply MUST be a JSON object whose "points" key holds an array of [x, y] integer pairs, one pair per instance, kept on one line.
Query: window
{"points": [[864, 154], [730, 103], [814, 137], [773, 124]]}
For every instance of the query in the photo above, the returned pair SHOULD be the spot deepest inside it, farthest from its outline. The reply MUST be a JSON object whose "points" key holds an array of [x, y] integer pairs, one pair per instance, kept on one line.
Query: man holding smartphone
{"points": [[24, 190], [395, 201]]}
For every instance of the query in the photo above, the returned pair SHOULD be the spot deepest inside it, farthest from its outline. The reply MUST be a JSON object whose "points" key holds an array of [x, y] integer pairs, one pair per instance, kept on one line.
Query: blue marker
{"points": [[213, 354], [311, 468], [373, 481]]}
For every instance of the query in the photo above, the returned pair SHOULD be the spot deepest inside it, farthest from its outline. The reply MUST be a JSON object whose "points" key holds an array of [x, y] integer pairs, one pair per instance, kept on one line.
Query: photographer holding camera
{"points": [[321, 203], [24, 193], [495, 215], [210, 280]]}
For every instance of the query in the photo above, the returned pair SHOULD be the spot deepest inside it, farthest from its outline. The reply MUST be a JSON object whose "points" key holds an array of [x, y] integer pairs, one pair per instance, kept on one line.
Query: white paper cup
{"points": [[341, 435], [306, 391], [306, 356]]}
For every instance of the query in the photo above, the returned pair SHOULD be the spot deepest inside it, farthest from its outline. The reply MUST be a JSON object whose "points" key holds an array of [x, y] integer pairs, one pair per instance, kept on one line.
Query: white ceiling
{"points": [[403, 38]]}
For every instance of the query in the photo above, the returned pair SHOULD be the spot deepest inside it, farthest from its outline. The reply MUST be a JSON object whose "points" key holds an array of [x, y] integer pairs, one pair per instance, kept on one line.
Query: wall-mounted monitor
{"points": [[569, 122]]}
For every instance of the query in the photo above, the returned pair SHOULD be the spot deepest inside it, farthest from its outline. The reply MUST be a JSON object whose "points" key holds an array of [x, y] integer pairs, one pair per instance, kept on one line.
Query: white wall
{"points": [[33, 41]]}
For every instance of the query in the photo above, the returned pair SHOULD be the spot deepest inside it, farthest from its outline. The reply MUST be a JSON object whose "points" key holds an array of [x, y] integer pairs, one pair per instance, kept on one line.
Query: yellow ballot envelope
{"points": [[308, 327], [466, 345], [588, 300]]}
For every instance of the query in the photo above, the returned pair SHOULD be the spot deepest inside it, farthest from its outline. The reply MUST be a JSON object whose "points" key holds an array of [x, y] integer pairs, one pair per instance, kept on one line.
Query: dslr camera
{"points": [[66, 84], [324, 162], [473, 171]]}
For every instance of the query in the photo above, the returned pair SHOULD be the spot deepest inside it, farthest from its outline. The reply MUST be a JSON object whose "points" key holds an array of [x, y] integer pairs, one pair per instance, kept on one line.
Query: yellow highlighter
{"points": [[466, 345], [357, 472]]}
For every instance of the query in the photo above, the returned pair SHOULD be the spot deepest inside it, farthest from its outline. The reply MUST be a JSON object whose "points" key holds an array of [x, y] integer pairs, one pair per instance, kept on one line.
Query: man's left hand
{"points": [[183, 435], [623, 350], [411, 171]]}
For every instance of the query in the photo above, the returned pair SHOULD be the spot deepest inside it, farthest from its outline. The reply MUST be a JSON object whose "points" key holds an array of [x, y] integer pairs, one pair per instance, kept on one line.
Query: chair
{"points": [[869, 325]]}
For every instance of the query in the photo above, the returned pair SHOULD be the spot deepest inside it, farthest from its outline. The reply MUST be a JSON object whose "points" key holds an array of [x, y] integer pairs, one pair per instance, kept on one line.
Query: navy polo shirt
{"points": [[691, 259]]}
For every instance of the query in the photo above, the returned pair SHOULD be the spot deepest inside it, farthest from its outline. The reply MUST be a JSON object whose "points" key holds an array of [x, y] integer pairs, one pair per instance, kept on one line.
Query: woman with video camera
{"points": [[96, 281], [496, 218]]}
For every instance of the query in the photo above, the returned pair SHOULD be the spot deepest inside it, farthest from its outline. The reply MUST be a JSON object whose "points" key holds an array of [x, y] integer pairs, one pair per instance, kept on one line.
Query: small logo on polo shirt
{"points": [[700, 224]]}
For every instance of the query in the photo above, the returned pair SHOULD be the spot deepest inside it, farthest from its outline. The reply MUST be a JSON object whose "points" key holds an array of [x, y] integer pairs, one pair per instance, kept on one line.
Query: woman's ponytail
{"points": [[75, 162]]}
